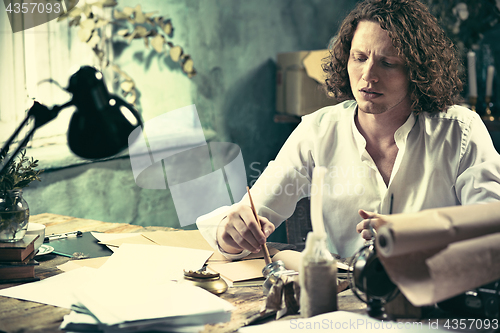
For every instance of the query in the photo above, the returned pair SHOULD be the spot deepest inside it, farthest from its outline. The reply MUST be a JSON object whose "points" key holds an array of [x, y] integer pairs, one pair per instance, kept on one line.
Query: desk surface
{"points": [[24, 316]]}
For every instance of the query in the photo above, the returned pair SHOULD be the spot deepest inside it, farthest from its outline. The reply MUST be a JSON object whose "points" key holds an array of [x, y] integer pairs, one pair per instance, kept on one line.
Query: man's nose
{"points": [[369, 72]]}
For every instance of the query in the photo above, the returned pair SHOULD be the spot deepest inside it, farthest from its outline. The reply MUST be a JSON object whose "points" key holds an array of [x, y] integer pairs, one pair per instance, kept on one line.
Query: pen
{"points": [[61, 236], [267, 257], [392, 201]]}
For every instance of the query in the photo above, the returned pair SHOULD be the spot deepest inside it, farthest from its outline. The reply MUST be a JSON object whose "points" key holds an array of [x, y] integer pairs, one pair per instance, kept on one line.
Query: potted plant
{"points": [[14, 210]]}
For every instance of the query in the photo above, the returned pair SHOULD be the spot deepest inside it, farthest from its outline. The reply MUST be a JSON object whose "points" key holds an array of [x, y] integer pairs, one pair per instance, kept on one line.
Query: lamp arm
{"points": [[41, 115]]}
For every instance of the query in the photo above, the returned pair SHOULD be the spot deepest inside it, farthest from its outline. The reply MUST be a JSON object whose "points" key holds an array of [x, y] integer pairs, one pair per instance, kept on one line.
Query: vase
{"points": [[14, 216]]}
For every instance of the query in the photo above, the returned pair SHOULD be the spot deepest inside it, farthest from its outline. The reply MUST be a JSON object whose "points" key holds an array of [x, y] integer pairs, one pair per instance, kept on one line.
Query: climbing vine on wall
{"points": [[129, 24]]}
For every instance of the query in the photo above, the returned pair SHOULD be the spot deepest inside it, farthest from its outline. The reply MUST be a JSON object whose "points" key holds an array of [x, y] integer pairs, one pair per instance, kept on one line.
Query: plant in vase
{"points": [[14, 210]]}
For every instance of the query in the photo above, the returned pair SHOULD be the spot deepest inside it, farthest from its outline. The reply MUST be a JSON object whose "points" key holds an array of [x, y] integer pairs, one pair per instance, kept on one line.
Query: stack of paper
{"points": [[138, 288], [165, 307], [134, 290]]}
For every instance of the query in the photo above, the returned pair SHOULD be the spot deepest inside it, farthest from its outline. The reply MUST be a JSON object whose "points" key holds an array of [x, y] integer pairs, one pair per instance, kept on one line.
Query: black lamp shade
{"points": [[98, 128]]}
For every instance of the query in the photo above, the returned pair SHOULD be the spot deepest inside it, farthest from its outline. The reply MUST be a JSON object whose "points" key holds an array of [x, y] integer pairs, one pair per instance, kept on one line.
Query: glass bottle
{"points": [[14, 215], [318, 277]]}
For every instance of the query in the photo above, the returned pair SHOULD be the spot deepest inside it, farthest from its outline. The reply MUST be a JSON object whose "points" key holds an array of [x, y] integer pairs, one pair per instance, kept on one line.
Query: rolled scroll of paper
{"points": [[439, 253], [434, 228]]}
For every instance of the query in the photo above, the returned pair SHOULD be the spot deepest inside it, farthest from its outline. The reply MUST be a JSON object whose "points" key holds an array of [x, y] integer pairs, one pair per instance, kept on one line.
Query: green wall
{"points": [[234, 45]]}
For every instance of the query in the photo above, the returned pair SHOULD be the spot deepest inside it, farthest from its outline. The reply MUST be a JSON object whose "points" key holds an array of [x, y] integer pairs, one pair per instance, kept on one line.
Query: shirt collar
{"points": [[358, 138], [400, 135]]}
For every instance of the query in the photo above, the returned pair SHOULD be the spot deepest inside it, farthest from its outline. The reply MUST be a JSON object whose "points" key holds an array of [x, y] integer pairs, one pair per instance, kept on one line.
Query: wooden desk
{"points": [[24, 316]]}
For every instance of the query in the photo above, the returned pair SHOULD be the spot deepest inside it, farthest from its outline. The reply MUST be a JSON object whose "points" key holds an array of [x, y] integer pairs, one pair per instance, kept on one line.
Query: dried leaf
{"points": [[131, 36], [77, 11], [150, 14], [87, 24], [131, 97], [158, 20], [94, 40], [117, 69], [122, 32], [168, 28], [128, 11], [98, 3], [101, 23], [84, 34], [120, 15], [175, 53], [140, 18], [127, 86], [158, 42], [141, 31], [87, 10], [188, 66]]}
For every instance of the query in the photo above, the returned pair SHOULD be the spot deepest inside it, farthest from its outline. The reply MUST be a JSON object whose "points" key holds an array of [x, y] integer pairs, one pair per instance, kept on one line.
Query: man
{"points": [[396, 144]]}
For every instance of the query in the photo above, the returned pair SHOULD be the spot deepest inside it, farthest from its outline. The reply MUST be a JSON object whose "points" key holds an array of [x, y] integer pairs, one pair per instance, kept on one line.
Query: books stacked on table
{"points": [[16, 261]]}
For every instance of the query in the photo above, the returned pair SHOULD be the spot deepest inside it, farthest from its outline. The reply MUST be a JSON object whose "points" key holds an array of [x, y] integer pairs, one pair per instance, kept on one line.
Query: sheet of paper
{"points": [[56, 290], [104, 237], [240, 270], [151, 263], [183, 238], [135, 239], [112, 305], [91, 262], [193, 239]]}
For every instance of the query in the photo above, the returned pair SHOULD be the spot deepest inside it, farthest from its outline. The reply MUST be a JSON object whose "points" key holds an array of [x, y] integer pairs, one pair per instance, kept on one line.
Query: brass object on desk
{"points": [[206, 280]]}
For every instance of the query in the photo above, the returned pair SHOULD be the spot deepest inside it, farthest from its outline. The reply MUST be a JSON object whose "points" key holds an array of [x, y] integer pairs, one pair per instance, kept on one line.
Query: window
{"points": [[28, 60]]}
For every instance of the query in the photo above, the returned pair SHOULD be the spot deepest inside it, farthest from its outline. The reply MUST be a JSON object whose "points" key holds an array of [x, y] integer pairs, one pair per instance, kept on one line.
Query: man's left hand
{"points": [[369, 219]]}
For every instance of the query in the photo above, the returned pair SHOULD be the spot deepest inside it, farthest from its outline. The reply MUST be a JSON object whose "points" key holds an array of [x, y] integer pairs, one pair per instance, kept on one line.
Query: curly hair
{"points": [[428, 54]]}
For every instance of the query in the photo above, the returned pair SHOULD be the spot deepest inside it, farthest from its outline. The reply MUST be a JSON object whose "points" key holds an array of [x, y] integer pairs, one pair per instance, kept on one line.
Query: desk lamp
{"points": [[99, 127]]}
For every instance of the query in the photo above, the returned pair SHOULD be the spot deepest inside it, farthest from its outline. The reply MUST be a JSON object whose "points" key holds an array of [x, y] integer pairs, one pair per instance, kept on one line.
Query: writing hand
{"points": [[240, 231]]}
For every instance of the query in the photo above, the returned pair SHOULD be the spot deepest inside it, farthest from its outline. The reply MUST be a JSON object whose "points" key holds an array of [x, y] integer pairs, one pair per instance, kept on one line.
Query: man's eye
{"points": [[388, 64], [360, 59]]}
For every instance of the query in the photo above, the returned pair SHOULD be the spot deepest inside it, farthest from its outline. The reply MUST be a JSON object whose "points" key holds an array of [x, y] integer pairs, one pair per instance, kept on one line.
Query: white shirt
{"points": [[444, 159]]}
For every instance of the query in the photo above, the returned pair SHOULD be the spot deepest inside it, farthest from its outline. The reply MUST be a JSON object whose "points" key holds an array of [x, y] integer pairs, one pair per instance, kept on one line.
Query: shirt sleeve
{"points": [[276, 191], [208, 224], [478, 178]]}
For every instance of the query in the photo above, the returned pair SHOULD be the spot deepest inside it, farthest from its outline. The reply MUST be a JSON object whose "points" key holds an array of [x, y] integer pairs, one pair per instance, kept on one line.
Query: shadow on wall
{"points": [[248, 117], [104, 191]]}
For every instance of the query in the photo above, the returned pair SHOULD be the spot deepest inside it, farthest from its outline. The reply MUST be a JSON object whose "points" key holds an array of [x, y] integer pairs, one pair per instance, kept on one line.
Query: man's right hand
{"points": [[240, 231]]}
